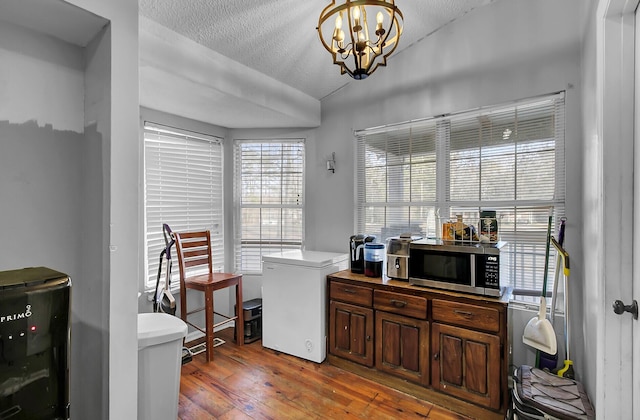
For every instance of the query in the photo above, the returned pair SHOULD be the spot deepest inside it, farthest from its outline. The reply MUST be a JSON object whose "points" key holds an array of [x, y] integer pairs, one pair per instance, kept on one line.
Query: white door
{"points": [[618, 99]]}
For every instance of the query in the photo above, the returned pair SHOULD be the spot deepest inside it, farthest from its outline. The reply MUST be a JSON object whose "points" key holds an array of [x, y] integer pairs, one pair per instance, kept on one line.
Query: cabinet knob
{"points": [[436, 356], [368, 338]]}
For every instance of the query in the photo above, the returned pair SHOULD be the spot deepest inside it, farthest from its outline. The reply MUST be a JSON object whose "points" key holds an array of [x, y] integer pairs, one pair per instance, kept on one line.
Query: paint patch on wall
{"points": [[41, 184], [42, 78]]}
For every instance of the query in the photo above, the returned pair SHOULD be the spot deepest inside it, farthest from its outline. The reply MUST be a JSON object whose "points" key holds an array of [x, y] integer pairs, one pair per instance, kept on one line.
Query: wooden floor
{"points": [[252, 382]]}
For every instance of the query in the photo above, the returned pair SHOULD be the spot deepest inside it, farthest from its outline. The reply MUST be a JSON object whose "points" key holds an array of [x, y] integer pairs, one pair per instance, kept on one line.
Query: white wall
{"points": [[506, 51], [586, 333]]}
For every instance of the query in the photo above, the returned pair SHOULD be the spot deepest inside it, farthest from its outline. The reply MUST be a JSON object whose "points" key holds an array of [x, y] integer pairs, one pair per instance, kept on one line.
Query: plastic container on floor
{"points": [[159, 360]]}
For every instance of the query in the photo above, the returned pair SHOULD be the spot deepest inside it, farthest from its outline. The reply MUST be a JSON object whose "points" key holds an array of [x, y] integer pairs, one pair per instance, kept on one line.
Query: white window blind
{"points": [[269, 199], [182, 188], [412, 176]]}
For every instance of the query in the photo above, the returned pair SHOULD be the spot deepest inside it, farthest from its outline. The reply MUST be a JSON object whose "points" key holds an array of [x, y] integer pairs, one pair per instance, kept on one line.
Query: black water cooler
{"points": [[34, 344]]}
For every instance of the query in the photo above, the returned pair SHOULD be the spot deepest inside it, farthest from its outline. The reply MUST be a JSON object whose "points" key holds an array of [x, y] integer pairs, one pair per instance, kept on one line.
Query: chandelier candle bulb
{"points": [[356, 19], [379, 20]]}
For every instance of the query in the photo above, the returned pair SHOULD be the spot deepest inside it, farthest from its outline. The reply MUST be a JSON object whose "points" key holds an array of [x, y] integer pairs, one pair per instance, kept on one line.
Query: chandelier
{"points": [[355, 46]]}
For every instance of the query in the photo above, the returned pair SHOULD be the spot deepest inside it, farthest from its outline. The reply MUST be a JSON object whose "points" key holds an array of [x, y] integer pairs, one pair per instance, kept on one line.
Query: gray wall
{"points": [[69, 185], [52, 192], [507, 51], [114, 109]]}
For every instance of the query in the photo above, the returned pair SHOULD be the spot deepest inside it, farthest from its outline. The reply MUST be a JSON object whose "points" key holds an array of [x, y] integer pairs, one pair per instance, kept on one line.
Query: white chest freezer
{"points": [[294, 299]]}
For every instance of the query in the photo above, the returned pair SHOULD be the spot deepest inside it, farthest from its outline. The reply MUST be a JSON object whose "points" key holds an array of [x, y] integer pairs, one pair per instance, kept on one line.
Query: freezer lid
{"points": [[306, 258]]}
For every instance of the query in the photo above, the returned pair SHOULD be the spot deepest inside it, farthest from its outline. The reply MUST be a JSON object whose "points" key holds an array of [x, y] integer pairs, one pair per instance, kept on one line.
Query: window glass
{"points": [[182, 188], [269, 199], [414, 176]]}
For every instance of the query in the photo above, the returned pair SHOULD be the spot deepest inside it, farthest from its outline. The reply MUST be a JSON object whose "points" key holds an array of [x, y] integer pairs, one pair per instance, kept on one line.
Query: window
{"points": [[182, 188], [413, 176], [269, 199]]}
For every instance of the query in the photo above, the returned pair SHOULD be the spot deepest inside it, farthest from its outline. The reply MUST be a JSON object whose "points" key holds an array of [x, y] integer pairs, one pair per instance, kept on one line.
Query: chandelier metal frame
{"points": [[362, 50]]}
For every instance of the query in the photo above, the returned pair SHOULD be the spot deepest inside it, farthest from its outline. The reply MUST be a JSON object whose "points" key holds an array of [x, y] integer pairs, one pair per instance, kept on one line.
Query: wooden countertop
{"points": [[405, 285]]}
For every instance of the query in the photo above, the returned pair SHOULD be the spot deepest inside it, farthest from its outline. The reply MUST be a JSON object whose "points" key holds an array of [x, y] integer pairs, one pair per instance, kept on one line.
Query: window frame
{"points": [[440, 205], [186, 155], [262, 245]]}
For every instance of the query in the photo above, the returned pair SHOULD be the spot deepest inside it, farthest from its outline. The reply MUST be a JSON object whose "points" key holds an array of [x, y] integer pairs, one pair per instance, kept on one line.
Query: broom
{"points": [[539, 332]]}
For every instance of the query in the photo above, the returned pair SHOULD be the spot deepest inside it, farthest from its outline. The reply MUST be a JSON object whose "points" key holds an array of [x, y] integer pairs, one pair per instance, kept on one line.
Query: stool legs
{"points": [[209, 318], [239, 314], [209, 315]]}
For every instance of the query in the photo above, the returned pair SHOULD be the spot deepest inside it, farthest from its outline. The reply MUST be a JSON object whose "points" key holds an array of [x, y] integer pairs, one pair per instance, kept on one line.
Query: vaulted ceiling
{"points": [[279, 38], [236, 64]]}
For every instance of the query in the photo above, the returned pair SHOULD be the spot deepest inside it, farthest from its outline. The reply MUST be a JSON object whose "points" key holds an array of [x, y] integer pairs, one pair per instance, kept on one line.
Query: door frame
{"points": [[635, 329], [615, 104]]}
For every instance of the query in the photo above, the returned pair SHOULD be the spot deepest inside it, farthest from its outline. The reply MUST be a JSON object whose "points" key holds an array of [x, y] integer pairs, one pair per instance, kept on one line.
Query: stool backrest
{"points": [[194, 251]]}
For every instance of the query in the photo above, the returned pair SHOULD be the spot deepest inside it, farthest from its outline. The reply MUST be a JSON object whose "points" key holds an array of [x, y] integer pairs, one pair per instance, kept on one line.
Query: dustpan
{"points": [[539, 332]]}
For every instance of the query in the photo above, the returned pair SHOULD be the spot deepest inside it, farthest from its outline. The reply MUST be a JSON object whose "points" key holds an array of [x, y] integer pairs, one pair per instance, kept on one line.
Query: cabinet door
{"points": [[402, 347], [351, 332], [466, 364]]}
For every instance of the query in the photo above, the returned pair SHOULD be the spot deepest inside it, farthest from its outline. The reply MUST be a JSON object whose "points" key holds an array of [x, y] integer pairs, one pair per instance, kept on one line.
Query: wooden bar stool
{"points": [[194, 252]]}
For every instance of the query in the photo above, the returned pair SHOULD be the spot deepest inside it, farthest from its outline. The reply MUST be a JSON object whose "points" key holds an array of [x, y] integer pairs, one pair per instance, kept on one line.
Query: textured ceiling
{"points": [[279, 38]]}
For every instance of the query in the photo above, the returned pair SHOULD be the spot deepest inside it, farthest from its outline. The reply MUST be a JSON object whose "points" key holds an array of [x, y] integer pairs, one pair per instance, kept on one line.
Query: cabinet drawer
{"points": [[465, 315], [349, 293], [397, 303]]}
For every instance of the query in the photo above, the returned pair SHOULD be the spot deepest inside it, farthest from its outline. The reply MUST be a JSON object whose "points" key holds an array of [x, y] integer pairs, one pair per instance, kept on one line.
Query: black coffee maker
{"points": [[356, 245]]}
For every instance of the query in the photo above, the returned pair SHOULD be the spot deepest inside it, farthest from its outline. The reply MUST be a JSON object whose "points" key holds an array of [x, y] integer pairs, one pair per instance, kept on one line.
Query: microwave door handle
{"points": [[472, 261]]}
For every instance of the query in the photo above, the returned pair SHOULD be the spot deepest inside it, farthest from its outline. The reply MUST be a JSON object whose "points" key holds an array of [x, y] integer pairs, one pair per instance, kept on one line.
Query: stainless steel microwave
{"points": [[470, 267]]}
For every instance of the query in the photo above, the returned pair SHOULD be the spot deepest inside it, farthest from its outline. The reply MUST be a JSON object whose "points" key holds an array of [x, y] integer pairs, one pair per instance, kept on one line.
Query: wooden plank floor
{"points": [[252, 382]]}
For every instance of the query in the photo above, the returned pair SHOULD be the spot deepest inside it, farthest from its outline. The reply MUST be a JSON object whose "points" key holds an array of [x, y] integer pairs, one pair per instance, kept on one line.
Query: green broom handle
{"points": [[546, 259]]}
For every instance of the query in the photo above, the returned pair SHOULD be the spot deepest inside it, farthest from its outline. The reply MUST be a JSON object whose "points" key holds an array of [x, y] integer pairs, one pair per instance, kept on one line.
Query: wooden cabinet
{"points": [[402, 335], [465, 315], [402, 346], [351, 322], [466, 364], [351, 332], [465, 361], [447, 347], [400, 303]]}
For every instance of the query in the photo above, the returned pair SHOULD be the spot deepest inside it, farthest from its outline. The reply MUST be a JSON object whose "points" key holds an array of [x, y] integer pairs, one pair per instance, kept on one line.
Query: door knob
{"points": [[619, 307]]}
